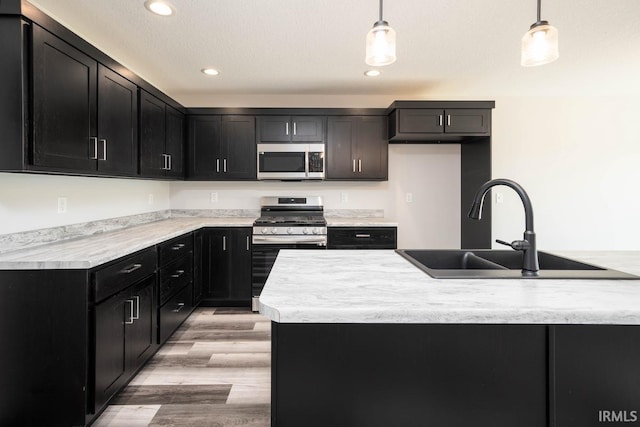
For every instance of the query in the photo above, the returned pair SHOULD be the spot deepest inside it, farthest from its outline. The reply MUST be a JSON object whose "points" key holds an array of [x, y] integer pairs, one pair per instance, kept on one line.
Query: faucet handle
{"points": [[518, 245]]}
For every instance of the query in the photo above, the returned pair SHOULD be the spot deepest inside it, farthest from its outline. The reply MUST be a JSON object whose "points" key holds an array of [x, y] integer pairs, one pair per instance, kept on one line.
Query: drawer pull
{"points": [[177, 247], [136, 316], [177, 274], [179, 307], [131, 268], [363, 236], [131, 319]]}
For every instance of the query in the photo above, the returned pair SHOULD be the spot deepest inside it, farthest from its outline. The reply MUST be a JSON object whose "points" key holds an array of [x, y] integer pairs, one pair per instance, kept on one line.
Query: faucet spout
{"points": [[530, 256]]}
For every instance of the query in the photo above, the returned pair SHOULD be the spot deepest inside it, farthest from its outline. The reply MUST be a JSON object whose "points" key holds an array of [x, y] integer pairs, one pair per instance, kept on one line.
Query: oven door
{"points": [[263, 256]]}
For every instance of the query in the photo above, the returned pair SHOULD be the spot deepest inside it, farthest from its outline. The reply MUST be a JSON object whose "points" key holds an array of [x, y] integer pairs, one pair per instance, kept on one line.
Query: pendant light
{"points": [[539, 44], [381, 43]]}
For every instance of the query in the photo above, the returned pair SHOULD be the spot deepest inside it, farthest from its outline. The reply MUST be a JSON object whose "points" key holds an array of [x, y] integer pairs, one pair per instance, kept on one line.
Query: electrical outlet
{"points": [[62, 205], [409, 197], [150, 198], [214, 197], [499, 198], [344, 197]]}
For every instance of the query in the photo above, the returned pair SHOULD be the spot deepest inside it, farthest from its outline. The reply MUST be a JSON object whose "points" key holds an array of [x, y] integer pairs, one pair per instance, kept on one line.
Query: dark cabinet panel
{"points": [[226, 266], [438, 124], [153, 160], [117, 123], [470, 121], [357, 148], [140, 335], [362, 238], [64, 105], [222, 148], [420, 121], [595, 375], [198, 253], [174, 144], [290, 129]]}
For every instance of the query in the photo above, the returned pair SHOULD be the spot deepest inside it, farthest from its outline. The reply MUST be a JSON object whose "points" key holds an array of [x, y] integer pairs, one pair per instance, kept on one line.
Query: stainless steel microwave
{"points": [[292, 161]]}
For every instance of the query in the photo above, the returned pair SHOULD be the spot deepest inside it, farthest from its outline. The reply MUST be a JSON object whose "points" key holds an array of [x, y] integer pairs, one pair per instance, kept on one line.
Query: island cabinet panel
{"points": [[595, 375], [222, 148], [405, 375], [225, 266], [362, 237]]}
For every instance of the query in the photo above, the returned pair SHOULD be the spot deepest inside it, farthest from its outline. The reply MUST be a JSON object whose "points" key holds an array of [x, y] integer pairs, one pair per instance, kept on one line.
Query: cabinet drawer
{"points": [[175, 248], [175, 276], [123, 273], [174, 312], [361, 238]]}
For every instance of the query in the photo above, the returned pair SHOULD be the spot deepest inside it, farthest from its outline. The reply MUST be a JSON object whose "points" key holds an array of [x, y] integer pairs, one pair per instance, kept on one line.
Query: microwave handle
{"points": [[306, 162]]}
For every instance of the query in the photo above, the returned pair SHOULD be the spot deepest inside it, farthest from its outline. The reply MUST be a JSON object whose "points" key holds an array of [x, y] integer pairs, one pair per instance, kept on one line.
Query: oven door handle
{"points": [[265, 240]]}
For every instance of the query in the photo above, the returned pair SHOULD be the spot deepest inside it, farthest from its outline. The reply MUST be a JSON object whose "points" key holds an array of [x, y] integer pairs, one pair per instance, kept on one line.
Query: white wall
{"points": [[30, 202]]}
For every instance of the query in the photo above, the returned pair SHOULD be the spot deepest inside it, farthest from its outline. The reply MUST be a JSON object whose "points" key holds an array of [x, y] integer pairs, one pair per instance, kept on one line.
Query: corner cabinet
{"points": [[221, 148], [357, 148], [161, 139], [84, 114], [226, 266]]}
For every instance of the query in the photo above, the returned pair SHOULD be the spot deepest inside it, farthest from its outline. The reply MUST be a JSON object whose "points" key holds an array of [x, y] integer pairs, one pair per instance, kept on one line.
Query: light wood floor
{"points": [[213, 371]]}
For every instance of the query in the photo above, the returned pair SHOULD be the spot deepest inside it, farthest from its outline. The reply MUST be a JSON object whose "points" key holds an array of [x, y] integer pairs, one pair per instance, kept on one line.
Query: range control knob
{"points": [[305, 231], [289, 230], [265, 230], [315, 231], [274, 230]]}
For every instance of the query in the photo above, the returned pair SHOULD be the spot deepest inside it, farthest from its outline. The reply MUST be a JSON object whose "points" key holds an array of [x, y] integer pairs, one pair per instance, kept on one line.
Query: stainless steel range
{"points": [[285, 223]]}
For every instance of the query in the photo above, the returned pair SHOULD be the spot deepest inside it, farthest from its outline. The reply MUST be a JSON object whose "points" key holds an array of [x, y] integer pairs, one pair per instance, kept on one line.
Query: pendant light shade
{"points": [[539, 44], [381, 43]]}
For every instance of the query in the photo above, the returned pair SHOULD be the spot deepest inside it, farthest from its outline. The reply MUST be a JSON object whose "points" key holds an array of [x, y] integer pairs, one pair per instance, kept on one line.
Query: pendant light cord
{"points": [[381, 11], [539, 7]]}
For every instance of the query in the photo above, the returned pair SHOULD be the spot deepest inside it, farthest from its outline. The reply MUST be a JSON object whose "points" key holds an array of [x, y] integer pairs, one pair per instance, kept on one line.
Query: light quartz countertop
{"points": [[359, 222], [89, 252], [359, 286]]}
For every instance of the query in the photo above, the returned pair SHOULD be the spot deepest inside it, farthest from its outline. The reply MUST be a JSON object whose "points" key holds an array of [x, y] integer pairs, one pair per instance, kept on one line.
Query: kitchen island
{"points": [[366, 338]]}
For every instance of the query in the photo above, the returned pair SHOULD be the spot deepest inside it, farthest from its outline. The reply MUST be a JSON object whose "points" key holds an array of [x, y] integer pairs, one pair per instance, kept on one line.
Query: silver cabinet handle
{"points": [[131, 268], [165, 158], [224, 165], [177, 247], [130, 321], [295, 128], [217, 165], [363, 236], [359, 165], [247, 242], [170, 167], [104, 149], [286, 128], [448, 119], [224, 243], [136, 316], [179, 307], [177, 274], [94, 141], [440, 120], [354, 165]]}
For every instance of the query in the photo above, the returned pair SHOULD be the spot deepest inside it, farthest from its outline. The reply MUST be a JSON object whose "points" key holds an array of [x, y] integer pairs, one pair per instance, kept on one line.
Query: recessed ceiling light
{"points": [[210, 71], [159, 7], [372, 73]]}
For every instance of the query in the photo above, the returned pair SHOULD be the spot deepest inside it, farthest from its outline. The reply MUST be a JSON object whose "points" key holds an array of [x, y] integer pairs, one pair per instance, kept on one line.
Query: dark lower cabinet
{"points": [[124, 337], [362, 237], [226, 266]]}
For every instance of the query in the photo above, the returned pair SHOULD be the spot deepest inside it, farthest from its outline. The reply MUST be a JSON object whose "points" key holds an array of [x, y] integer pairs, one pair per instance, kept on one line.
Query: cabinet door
{"points": [[174, 143], [117, 123], [420, 120], [240, 288], [238, 149], [274, 129], [198, 253], [216, 263], [64, 105], [307, 129], [140, 331], [153, 161], [341, 132], [371, 149], [204, 147], [110, 317], [467, 121]]}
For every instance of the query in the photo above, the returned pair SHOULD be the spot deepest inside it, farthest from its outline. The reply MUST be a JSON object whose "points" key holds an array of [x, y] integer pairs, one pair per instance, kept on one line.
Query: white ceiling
{"points": [[316, 47]]}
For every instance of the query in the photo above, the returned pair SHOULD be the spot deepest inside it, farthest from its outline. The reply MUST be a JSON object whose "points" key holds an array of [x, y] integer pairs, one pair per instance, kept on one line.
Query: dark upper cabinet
{"points": [[84, 114], [226, 266], [161, 138], [357, 148], [222, 147], [417, 124], [290, 129]]}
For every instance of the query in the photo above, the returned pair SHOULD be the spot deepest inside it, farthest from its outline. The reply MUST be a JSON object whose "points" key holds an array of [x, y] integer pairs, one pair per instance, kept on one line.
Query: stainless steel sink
{"points": [[502, 264]]}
